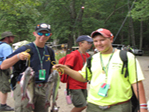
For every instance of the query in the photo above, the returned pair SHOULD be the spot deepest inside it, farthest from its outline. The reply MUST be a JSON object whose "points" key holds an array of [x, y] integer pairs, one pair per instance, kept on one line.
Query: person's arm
{"points": [[142, 98], [72, 73], [14, 59]]}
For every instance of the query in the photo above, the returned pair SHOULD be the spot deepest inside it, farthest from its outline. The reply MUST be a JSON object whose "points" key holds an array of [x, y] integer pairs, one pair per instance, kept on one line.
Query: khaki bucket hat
{"points": [[6, 34]]}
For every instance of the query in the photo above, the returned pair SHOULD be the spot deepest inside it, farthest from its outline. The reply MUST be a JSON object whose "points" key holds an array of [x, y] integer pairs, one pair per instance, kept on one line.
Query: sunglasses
{"points": [[46, 34]]}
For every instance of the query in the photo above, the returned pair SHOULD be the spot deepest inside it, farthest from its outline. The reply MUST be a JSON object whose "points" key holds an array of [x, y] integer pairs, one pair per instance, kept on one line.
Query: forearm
{"points": [[72, 73], [75, 75], [141, 96], [9, 62]]}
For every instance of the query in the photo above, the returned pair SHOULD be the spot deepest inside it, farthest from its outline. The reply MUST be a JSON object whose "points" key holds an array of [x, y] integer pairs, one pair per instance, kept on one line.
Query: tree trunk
{"points": [[122, 38], [70, 43], [141, 34], [72, 28], [132, 32], [79, 19], [76, 23]]}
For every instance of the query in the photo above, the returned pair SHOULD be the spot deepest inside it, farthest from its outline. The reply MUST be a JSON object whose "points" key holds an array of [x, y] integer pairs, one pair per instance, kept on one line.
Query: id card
{"points": [[103, 89], [42, 74]]}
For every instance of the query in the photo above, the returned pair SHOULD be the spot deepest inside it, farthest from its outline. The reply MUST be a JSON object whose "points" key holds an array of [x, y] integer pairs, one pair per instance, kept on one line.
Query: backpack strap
{"points": [[67, 84], [29, 48], [134, 100], [51, 54], [123, 56], [88, 66], [18, 68], [67, 88]]}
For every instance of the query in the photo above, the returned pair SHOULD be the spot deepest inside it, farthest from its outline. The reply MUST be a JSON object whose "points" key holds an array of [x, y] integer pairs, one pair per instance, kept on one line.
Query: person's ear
{"points": [[34, 33], [79, 43], [111, 39], [50, 34]]}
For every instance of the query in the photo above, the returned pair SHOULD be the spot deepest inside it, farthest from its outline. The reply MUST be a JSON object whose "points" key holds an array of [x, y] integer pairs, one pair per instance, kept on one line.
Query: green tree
{"points": [[68, 19], [16, 17], [140, 11]]}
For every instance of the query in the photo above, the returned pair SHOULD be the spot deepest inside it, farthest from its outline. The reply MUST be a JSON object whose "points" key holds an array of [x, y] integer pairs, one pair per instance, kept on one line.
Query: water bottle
{"points": [[68, 97]]}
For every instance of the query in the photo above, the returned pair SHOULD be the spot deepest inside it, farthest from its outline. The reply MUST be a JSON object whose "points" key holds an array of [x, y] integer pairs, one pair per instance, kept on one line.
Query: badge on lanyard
{"points": [[103, 89], [42, 74]]}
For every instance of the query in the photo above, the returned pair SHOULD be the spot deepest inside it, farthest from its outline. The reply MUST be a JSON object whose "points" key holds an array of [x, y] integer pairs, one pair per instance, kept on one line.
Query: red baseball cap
{"points": [[103, 32]]}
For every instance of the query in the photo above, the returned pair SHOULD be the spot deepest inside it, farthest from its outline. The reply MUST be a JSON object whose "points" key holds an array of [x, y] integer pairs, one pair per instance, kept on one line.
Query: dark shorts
{"points": [[125, 107], [78, 97], [4, 81]]}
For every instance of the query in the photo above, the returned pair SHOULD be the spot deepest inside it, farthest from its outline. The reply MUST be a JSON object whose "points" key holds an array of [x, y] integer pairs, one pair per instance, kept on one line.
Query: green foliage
{"points": [[68, 20], [140, 12], [16, 6], [19, 25], [16, 17]]}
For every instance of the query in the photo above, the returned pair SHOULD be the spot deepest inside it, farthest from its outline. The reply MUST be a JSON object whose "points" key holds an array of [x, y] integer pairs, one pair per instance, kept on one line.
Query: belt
{"points": [[108, 106], [40, 85]]}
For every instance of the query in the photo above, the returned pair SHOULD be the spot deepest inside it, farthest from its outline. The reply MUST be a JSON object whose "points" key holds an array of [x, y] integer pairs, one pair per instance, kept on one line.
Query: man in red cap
{"points": [[110, 91]]}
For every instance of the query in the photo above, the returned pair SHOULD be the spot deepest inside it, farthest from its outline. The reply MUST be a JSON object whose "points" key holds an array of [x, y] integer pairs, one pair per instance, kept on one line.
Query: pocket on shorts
{"points": [[78, 98], [6, 88]]}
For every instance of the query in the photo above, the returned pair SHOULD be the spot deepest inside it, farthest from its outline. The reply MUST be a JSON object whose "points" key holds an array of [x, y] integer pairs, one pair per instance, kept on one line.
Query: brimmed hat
{"points": [[103, 32], [43, 26], [84, 38], [6, 34]]}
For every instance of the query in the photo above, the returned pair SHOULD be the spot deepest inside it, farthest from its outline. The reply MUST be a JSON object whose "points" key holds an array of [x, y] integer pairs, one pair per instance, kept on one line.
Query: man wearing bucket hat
{"points": [[110, 90], [76, 60], [5, 50]]}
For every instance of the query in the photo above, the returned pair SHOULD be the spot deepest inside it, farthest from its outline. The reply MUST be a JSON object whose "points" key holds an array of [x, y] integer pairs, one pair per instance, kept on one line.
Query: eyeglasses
{"points": [[89, 42], [46, 34]]}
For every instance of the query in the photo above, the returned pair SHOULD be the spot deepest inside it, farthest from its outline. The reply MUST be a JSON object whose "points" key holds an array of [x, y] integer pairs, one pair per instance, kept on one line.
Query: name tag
{"points": [[42, 74], [103, 89]]}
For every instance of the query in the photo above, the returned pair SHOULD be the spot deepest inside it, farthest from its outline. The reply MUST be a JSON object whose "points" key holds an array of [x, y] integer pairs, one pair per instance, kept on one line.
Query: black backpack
{"points": [[21, 66], [123, 56]]}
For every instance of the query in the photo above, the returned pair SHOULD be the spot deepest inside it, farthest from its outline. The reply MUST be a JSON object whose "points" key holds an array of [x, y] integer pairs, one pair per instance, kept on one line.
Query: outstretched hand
{"points": [[57, 66], [23, 56], [60, 68]]}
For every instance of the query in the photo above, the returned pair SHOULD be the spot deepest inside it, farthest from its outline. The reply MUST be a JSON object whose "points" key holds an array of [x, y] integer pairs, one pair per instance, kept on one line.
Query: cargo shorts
{"points": [[38, 100], [78, 97], [5, 81]]}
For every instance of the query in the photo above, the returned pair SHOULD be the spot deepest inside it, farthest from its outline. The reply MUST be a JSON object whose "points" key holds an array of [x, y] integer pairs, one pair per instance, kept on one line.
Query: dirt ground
{"points": [[61, 102]]}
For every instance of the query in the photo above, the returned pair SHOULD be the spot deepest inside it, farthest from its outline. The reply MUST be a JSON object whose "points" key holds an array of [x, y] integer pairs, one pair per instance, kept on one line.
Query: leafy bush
{"points": [[59, 55]]}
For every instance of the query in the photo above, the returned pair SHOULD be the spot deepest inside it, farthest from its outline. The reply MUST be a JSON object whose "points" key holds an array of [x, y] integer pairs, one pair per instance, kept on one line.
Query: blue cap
{"points": [[84, 38]]}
